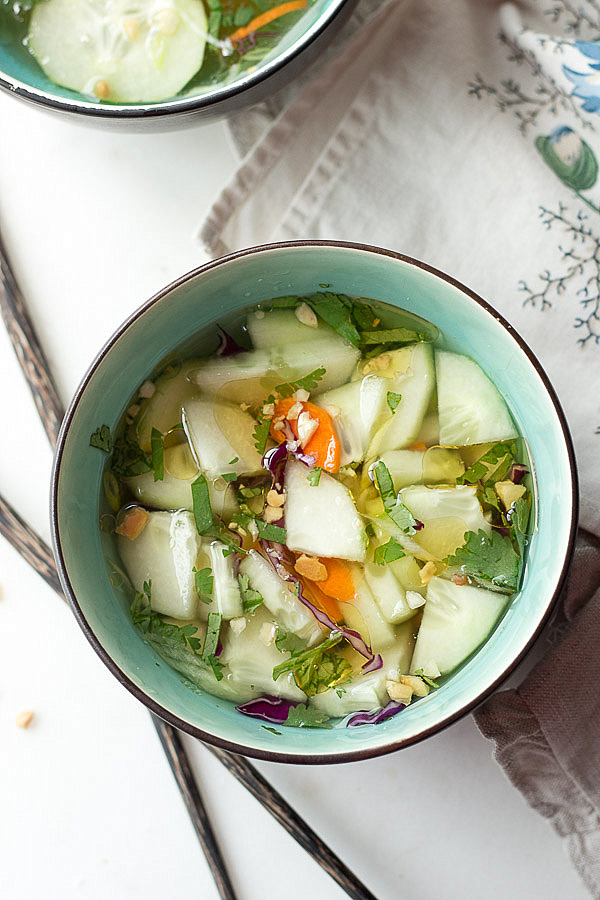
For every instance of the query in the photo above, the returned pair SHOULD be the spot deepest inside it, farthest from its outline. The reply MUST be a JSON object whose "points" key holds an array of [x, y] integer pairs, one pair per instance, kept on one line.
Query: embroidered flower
{"points": [[570, 158], [587, 84]]}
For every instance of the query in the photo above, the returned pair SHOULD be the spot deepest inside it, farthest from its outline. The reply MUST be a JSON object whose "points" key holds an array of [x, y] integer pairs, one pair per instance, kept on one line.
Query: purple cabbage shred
{"points": [[227, 345], [379, 715], [517, 472], [271, 709]]}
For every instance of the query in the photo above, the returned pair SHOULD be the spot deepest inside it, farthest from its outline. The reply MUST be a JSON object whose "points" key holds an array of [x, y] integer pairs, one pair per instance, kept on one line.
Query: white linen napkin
{"points": [[467, 134]]}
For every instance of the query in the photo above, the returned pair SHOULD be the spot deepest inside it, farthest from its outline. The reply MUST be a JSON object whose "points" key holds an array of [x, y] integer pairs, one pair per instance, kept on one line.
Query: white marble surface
{"points": [[95, 223]]}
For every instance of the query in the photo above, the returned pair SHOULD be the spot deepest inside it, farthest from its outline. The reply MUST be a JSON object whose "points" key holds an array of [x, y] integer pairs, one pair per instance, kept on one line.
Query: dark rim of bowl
{"points": [[273, 755], [175, 106]]}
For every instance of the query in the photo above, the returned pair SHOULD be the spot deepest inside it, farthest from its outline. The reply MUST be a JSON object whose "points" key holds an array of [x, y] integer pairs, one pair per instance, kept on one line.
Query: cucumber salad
{"points": [[324, 518], [144, 51]]}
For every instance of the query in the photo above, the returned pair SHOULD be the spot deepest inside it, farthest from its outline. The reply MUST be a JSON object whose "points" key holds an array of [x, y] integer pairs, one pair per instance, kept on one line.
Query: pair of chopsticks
{"points": [[39, 556]]}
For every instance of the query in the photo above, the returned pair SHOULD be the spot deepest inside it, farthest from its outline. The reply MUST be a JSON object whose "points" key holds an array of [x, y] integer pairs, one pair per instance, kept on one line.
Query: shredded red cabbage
{"points": [[377, 716], [219, 649], [227, 345], [517, 472], [271, 709], [276, 554]]}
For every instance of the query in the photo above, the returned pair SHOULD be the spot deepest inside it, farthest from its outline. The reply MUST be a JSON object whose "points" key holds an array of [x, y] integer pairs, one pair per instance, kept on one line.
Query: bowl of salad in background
{"points": [[158, 61], [313, 502]]}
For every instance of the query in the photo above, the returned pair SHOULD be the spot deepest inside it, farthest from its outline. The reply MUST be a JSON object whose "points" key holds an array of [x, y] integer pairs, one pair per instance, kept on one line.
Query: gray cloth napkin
{"points": [[467, 134]]}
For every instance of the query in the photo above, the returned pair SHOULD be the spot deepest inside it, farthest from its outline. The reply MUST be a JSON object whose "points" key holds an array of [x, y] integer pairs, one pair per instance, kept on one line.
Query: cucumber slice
{"points": [[364, 692], [447, 514], [226, 591], [456, 620], [163, 409], [282, 326], [406, 570], [124, 51], [249, 377], [220, 433], [251, 661], [322, 520], [396, 659], [356, 409], [438, 465], [471, 410], [363, 614], [416, 386], [281, 602], [165, 553], [388, 593]]}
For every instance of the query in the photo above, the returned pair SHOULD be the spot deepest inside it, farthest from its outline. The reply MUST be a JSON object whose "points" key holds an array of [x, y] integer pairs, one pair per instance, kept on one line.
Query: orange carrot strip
{"points": [[133, 522], [324, 445], [418, 447], [339, 582], [269, 16], [328, 604]]}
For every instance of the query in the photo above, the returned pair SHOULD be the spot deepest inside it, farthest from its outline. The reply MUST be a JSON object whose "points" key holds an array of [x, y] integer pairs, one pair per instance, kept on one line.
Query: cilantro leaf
{"points": [[157, 453], [233, 461], [393, 399], [211, 642], [272, 730], [128, 458], [269, 532], [261, 429], [307, 383], [203, 582], [201, 505], [101, 438], [251, 599], [304, 716], [491, 559], [483, 468], [287, 302], [391, 336], [519, 517], [314, 476], [398, 512], [287, 641], [229, 477], [426, 679], [387, 553], [336, 313], [242, 16], [317, 668]]}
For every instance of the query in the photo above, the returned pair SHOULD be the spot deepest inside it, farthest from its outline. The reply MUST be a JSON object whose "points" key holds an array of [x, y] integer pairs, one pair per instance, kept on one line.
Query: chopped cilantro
{"points": [[129, 459], [203, 582], [390, 336], [269, 532], [364, 316], [487, 465], [369, 530], [249, 492], [286, 302], [519, 517], [491, 559], [307, 383], [288, 642], [340, 692], [389, 552], [211, 642], [261, 429], [426, 679], [102, 439], [334, 310], [314, 476], [304, 716], [398, 512], [201, 505], [317, 668], [242, 16], [393, 399], [229, 477], [233, 461], [165, 633], [272, 730], [157, 453], [251, 599]]}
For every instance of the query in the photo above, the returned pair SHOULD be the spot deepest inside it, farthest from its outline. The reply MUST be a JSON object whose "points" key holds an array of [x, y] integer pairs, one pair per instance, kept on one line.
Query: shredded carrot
{"points": [[324, 445], [269, 16], [418, 447], [339, 582], [328, 604], [133, 522]]}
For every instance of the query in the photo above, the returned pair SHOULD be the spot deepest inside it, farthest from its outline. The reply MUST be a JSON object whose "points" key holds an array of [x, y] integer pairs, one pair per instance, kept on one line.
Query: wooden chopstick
{"points": [[33, 549]]}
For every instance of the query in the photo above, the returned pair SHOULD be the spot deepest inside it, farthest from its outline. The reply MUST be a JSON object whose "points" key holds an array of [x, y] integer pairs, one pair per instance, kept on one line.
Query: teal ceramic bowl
{"points": [[21, 75], [192, 306]]}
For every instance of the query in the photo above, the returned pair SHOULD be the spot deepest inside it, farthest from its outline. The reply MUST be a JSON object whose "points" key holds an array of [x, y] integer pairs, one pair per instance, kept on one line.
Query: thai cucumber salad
{"points": [[144, 51], [324, 518]]}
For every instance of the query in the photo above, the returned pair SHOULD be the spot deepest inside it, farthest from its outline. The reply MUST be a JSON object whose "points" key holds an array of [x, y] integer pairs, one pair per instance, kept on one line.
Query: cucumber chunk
{"points": [[364, 692], [124, 51], [279, 599], [406, 570], [356, 409], [416, 387], [165, 552], [322, 520], [447, 514], [163, 409], [437, 465], [388, 593], [364, 615], [397, 657], [278, 327], [456, 620], [470, 408], [250, 377], [251, 661], [220, 433], [226, 595]]}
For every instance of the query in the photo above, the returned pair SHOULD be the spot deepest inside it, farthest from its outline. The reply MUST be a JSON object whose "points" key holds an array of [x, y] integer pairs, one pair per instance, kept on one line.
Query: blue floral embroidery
{"points": [[587, 84]]}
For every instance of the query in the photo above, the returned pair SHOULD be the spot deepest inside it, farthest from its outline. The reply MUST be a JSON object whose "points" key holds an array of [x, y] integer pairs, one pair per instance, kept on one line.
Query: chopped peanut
{"points": [[131, 27], [377, 363], [253, 529], [294, 411], [397, 691], [417, 684], [306, 315], [238, 625], [272, 513], [101, 89], [147, 390], [275, 499], [376, 322], [167, 20], [427, 572], [133, 410], [311, 568], [133, 522], [415, 599], [301, 396], [268, 633], [244, 406], [24, 718], [268, 409], [306, 428]]}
